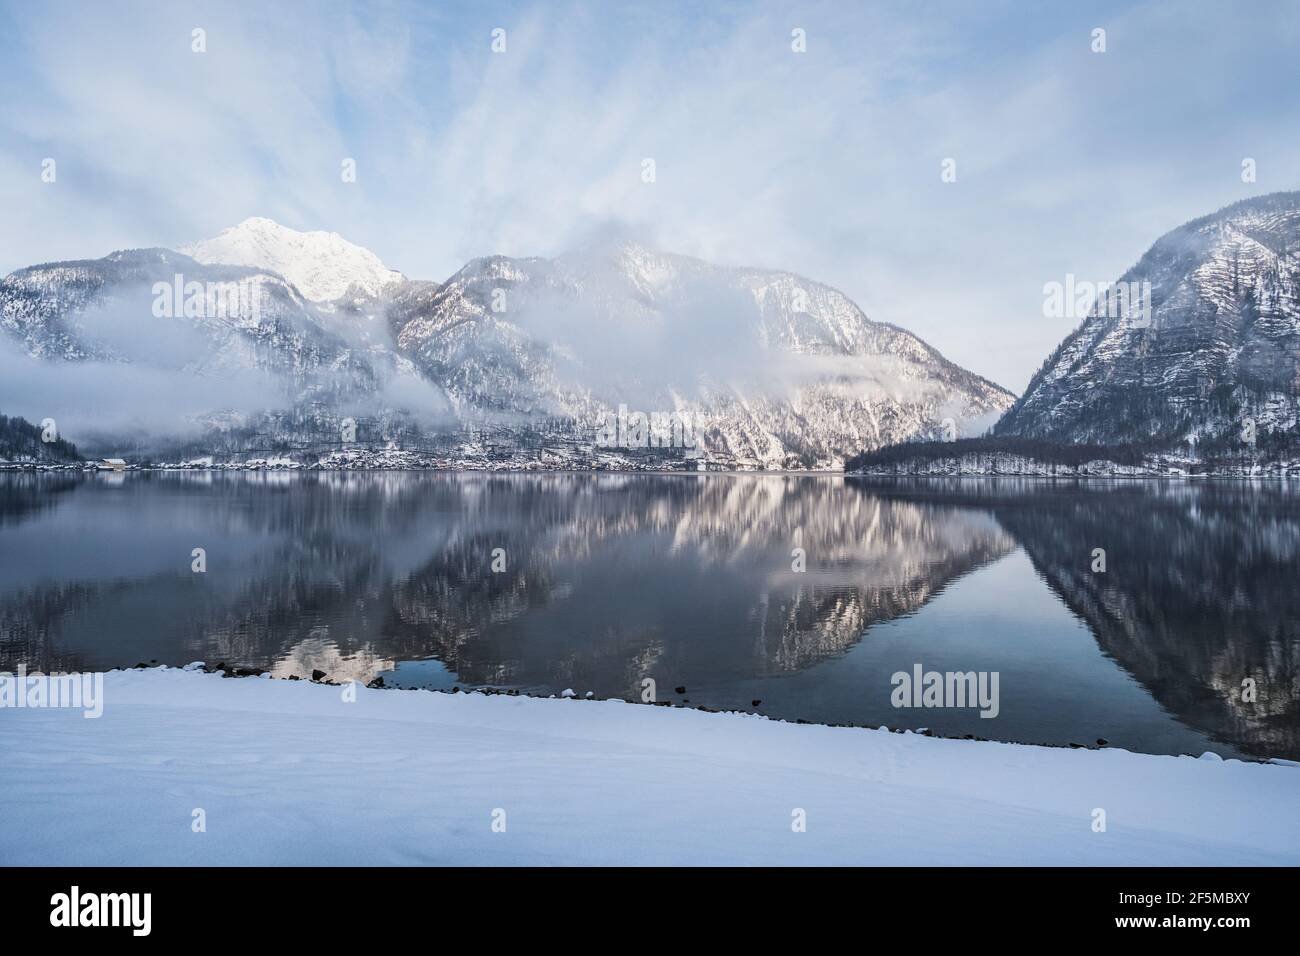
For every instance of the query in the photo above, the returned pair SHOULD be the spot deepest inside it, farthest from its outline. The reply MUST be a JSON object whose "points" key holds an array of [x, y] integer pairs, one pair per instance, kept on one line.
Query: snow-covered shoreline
{"points": [[291, 772]]}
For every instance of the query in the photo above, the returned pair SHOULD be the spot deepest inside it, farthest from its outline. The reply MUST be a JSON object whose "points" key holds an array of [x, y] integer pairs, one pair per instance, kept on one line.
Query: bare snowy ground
{"points": [[288, 772]]}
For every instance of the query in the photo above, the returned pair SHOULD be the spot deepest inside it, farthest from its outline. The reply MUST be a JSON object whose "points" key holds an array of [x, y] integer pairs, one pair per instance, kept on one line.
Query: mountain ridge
{"points": [[1223, 336], [1203, 377], [771, 369]]}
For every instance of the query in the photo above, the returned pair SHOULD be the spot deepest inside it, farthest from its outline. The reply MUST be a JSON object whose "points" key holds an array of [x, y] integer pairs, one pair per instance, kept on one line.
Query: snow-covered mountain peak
{"points": [[323, 265], [1219, 346], [773, 370]]}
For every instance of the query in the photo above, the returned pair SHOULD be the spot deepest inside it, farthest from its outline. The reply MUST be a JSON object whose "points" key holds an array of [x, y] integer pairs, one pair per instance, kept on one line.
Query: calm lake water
{"points": [[689, 580]]}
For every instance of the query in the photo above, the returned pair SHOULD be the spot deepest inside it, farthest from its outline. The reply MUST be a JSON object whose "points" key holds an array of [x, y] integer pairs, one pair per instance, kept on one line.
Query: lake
{"points": [[798, 597]]}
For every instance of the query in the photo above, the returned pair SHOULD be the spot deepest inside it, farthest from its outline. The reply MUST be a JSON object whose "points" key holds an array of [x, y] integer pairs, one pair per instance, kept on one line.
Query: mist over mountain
{"points": [[772, 368], [140, 350], [137, 350]]}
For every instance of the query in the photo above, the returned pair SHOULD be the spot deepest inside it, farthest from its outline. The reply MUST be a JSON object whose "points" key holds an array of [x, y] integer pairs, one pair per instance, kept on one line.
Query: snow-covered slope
{"points": [[106, 309], [773, 369], [768, 369], [1221, 349], [323, 265], [264, 361], [291, 773]]}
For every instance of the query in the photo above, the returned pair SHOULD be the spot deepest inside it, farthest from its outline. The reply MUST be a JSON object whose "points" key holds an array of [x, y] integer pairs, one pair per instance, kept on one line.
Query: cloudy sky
{"points": [[827, 162]]}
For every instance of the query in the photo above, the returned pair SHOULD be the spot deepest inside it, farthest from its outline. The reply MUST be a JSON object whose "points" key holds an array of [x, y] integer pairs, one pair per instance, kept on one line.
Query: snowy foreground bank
{"points": [[288, 772]]}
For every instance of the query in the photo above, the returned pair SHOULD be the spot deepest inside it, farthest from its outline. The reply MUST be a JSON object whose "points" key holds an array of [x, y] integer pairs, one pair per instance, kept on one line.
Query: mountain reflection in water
{"points": [[688, 580]]}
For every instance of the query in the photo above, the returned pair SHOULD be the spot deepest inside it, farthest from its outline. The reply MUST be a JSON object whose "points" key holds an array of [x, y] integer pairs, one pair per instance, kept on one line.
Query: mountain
{"points": [[1213, 368], [515, 361], [323, 266], [21, 441], [111, 310], [133, 363], [104, 309], [770, 368]]}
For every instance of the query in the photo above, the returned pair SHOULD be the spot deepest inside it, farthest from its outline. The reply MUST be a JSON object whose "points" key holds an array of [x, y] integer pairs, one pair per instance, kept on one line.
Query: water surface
{"points": [[605, 581]]}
